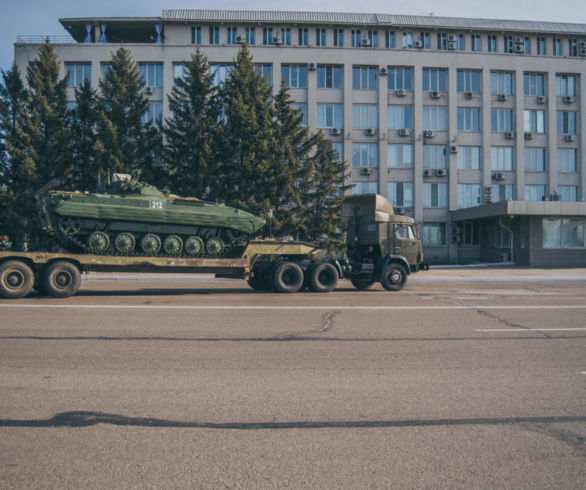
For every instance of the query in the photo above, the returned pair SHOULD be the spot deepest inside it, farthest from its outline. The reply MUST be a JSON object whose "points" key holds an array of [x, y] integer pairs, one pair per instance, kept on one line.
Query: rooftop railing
{"points": [[35, 39]]}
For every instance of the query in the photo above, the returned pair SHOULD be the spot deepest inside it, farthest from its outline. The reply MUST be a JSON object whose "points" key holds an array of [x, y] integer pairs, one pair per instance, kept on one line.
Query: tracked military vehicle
{"points": [[129, 217]]}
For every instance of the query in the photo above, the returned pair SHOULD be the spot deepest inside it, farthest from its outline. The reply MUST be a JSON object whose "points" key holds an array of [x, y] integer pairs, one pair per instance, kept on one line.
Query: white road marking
{"points": [[531, 329], [299, 308]]}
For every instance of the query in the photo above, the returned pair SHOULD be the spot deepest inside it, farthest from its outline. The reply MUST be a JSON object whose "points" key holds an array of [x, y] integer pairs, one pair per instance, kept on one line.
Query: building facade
{"points": [[439, 115]]}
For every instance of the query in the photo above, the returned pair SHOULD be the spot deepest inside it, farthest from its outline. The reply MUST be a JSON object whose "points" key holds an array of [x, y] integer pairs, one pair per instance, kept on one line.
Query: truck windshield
{"points": [[405, 231]]}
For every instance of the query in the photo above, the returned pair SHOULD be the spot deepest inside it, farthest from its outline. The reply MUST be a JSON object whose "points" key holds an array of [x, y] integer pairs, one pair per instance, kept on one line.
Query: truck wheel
{"points": [[287, 277], [61, 279], [323, 278], [393, 277], [16, 279], [362, 284], [258, 283]]}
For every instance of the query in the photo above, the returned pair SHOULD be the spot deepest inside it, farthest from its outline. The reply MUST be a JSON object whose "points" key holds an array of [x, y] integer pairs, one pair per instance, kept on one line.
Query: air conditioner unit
{"points": [[311, 66], [441, 172], [469, 95], [582, 44], [383, 72], [582, 51], [401, 93], [453, 149], [418, 44], [488, 189], [428, 133], [404, 132], [277, 40], [519, 48], [502, 97], [487, 198], [499, 176], [370, 132], [528, 135], [365, 171], [148, 90], [335, 131], [434, 94], [452, 45], [541, 99], [365, 42], [452, 37], [428, 172], [519, 40], [570, 137], [554, 196], [509, 135], [239, 39], [568, 99]]}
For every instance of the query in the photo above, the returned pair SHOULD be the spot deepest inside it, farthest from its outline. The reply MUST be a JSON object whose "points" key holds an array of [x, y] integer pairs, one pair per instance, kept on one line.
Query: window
{"points": [[407, 39], [503, 192], [286, 36], [364, 155], [77, 73], [250, 35], [424, 40], [534, 83], [267, 35], [400, 194], [442, 41], [468, 81], [339, 37], [301, 106], [468, 195], [492, 43], [563, 233], [502, 158], [373, 38], [470, 234], [501, 236], [435, 195], [573, 47], [320, 37], [214, 35], [196, 35], [435, 79], [527, 46], [566, 84], [568, 193], [541, 46], [435, 118], [434, 156], [180, 70], [365, 188], [303, 39], [476, 42], [501, 82], [339, 148], [468, 119], [364, 77], [558, 47], [390, 41], [355, 36], [469, 158], [232, 34], [105, 67], [151, 73], [400, 116], [294, 76], [433, 234], [400, 78], [508, 46], [535, 192], [567, 160], [399, 156], [535, 159], [329, 116], [566, 122], [501, 119], [266, 70], [364, 116], [534, 121], [220, 72], [154, 113], [461, 42], [329, 76]]}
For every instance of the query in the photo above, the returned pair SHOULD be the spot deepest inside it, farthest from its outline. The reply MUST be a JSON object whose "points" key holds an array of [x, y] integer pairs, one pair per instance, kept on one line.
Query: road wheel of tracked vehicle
{"points": [[194, 246], [71, 226], [323, 278], [235, 235], [125, 242], [173, 245], [287, 277], [214, 246], [16, 279], [150, 244], [393, 277], [61, 279], [98, 242], [361, 284]]}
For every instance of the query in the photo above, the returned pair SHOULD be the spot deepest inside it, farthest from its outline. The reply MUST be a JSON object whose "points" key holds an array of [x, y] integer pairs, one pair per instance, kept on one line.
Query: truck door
{"points": [[406, 243]]}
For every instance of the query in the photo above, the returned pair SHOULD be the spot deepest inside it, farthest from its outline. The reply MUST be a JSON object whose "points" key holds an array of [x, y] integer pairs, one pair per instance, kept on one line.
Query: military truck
{"points": [[381, 247]]}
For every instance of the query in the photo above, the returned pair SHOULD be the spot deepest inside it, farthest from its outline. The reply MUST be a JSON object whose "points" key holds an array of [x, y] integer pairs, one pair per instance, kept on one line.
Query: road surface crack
{"points": [[510, 324], [572, 439]]}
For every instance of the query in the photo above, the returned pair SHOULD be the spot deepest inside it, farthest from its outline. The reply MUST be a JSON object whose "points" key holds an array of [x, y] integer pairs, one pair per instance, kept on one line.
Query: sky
{"points": [[40, 17]]}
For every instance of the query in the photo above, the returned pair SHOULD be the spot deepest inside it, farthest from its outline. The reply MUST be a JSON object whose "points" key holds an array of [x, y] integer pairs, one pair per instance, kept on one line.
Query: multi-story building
{"points": [[473, 127]]}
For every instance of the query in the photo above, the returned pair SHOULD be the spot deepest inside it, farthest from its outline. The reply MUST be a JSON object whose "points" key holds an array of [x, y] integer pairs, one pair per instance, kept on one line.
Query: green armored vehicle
{"points": [[129, 217]]}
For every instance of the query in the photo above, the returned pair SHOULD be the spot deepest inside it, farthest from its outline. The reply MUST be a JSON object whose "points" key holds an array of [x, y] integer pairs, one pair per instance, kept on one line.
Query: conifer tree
{"points": [[191, 130]]}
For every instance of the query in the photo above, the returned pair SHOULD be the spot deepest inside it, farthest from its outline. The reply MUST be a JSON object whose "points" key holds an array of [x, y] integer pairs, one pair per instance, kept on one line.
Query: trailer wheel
{"points": [[323, 277], [362, 284], [16, 279], [61, 279], [287, 277], [393, 277]]}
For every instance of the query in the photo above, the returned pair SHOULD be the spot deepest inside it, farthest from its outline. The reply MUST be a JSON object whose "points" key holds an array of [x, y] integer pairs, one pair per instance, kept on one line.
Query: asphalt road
{"points": [[207, 384]]}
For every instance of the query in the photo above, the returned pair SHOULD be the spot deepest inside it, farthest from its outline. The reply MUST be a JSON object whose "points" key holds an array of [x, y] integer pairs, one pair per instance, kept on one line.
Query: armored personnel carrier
{"points": [[129, 217]]}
